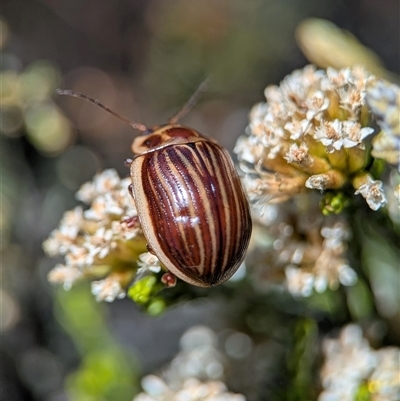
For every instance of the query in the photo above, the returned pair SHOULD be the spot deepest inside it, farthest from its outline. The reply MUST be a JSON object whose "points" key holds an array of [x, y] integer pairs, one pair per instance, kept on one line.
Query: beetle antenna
{"points": [[68, 92], [190, 103]]}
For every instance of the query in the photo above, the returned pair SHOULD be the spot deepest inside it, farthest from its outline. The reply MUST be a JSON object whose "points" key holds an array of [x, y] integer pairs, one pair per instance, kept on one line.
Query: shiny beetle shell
{"points": [[191, 204]]}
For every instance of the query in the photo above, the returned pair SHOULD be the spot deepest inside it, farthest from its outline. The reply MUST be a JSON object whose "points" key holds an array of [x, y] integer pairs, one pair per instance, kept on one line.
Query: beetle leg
{"points": [[150, 249], [130, 189], [131, 221], [169, 279]]}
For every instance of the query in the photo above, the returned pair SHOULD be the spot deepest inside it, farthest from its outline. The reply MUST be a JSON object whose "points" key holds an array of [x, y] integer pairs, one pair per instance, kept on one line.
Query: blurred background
{"points": [[142, 58]]}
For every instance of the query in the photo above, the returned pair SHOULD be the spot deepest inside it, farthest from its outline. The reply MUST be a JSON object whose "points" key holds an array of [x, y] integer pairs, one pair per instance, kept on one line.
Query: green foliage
{"points": [[363, 394], [144, 289], [301, 361], [334, 203], [156, 306], [107, 372], [380, 261], [359, 300]]}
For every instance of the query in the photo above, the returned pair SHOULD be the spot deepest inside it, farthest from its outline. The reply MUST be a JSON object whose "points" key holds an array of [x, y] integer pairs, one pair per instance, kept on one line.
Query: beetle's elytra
{"points": [[191, 204], [190, 201]]}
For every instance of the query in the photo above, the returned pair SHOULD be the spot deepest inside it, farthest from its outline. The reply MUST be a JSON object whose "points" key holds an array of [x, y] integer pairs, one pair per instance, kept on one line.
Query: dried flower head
{"points": [[312, 133], [104, 242], [352, 367]]}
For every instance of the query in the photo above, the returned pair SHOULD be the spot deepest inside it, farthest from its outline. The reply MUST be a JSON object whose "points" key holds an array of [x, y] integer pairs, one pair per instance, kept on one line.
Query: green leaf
{"points": [[380, 261], [359, 300]]}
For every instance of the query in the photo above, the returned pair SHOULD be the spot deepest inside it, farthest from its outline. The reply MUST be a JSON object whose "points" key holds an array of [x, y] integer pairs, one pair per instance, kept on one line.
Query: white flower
{"points": [[98, 209], [373, 193], [329, 133], [317, 181], [335, 235], [354, 135], [150, 262], [194, 374], [272, 140], [102, 183], [384, 382], [248, 149], [126, 229], [316, 104], [100, 243], [191, 390], [108, 289], [78, 256], [384, 100], [297, 128], [327, 107], [299, 281], [350, 362], [298, 154], [60, 240], [347, 276], [65, 275], [336, 79]]}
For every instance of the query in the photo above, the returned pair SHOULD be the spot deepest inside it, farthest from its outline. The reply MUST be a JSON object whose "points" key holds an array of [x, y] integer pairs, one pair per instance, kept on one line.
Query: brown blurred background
{"points": [[143, 58]]}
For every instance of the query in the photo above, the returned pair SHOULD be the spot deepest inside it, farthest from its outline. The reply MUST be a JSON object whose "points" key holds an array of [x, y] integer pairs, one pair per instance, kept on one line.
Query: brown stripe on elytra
{"points": [[206, 209], [171, 250], [204, 173], [227, 202], [176, 190], [204, 203], [155, 194], [153, 198], [210, 203], [184, 183], [214, 161], [243, 213], [219, 164], [241, 239], [230, 205], [181, 233], [217, 168], [239, 222], [245, 218], [234, 202], [194, 187], [160, 190]]}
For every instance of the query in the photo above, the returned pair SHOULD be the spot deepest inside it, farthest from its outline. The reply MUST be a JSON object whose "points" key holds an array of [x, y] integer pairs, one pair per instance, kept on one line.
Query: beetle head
{"points": [[165, 135]]}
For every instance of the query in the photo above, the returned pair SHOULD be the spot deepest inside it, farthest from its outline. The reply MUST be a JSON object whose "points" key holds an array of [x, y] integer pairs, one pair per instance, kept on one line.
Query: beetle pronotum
{"points": [[191, 204]]}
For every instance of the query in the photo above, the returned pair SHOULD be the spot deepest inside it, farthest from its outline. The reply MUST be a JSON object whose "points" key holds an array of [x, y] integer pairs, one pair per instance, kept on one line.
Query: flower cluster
{"points": [[383, 98], [306, 251], [352, 368], [312, 133], [191, 390], [103, 243], [316, 132], [195, 374]]}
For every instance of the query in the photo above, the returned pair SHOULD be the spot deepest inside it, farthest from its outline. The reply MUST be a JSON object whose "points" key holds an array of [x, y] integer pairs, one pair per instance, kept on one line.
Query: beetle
{"points": [[191, 204]]}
